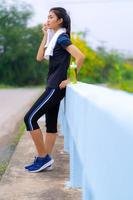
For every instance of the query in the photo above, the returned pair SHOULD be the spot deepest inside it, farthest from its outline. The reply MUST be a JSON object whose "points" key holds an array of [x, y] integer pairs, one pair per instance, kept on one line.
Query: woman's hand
{"points": [[64, 83], [45, 28]]}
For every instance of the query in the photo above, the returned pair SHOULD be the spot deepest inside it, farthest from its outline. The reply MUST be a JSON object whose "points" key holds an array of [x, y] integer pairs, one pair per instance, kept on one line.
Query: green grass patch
{"points": [[18, 136], [126, 86], [4, 164], [3, 167], [3, 86]]}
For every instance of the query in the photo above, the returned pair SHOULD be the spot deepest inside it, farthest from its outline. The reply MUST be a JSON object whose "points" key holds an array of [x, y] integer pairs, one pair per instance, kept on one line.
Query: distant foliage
{"points": [[18, 47], [110, 68]]}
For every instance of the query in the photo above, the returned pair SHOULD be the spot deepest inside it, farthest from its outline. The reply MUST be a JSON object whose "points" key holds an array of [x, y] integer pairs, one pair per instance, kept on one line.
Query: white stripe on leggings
{"points": [[46, 99]]}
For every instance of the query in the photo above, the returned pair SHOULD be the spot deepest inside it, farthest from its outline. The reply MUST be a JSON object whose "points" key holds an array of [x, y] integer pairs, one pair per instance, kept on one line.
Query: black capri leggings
{"points": [[48, 103]]}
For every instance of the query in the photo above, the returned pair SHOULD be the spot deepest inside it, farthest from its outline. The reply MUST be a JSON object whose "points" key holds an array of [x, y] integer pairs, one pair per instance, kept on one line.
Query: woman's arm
{"points": [[77, 54], [41, 50], [79, 57]]}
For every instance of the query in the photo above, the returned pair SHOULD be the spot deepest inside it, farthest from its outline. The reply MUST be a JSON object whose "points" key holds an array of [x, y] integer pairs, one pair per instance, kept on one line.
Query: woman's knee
{"points": [[26, 118], [30, 122]]}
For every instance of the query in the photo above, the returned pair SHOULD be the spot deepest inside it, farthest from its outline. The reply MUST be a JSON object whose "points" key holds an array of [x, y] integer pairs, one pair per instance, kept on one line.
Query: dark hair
{"points": [[62, 13]]}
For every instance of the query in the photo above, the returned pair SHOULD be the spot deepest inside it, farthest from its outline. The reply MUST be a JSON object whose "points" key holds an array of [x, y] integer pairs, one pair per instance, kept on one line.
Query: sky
{"points": [[107, 22]]}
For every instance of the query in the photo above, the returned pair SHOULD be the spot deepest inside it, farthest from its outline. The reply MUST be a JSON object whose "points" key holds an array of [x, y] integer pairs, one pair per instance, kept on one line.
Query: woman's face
{"points": [[53, 22]]}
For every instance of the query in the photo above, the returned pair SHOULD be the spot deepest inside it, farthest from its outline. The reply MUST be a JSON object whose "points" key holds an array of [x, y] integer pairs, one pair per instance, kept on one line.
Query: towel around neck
{"points": [[51, 41]]}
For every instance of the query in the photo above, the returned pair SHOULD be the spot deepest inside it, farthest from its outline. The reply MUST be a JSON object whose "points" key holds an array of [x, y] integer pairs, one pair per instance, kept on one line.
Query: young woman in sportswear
{"points": [[58, 51]]}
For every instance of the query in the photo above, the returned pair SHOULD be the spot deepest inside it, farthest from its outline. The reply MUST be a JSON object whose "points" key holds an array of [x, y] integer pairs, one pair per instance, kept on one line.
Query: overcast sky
{"points": [[108, 21]]}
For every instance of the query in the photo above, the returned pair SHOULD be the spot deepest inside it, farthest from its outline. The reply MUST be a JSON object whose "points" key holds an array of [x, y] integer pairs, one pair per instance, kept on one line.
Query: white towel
{"points": [[51, 41]]}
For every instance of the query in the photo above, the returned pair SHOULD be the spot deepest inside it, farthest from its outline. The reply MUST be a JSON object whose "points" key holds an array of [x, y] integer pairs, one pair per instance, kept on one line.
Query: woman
{"points": [[58, 50]]}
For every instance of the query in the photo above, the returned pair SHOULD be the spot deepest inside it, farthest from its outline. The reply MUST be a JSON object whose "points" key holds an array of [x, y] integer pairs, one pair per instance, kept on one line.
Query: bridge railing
{"points": [[97, 124]]}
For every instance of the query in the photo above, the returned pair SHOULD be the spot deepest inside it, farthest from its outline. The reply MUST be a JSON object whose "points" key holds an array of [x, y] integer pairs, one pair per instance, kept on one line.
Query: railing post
{"points": [[66, 137], [75, 166], [64, 128], [86, 191]]}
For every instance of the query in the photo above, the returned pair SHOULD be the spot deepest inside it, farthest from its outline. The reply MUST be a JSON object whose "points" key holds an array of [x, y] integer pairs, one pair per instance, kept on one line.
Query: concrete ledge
{"points": [[97, 124]]}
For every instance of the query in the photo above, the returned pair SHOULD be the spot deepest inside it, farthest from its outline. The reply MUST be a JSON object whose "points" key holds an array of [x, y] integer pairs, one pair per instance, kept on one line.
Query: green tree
{"points": [[18, 47]]}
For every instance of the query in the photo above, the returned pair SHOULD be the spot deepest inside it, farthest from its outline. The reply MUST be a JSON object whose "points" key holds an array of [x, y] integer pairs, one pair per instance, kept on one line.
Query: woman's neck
{"points": [[55, 30]]}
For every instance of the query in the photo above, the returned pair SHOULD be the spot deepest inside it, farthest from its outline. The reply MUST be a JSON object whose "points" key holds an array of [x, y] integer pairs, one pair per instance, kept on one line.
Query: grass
{"points": [[3, 167], [3, 86], [4, 164], [126, 86], [18, 136]]}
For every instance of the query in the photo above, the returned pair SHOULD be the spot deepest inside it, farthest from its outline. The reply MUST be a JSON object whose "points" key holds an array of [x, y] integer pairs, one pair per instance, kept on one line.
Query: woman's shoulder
{"points": [[63, 36], [64, 40]]}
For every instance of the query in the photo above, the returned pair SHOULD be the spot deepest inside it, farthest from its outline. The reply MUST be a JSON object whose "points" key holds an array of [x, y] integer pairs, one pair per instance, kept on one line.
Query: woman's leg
{"points": [[37, 138], [36, 111], [49, 141], [51, 127]]}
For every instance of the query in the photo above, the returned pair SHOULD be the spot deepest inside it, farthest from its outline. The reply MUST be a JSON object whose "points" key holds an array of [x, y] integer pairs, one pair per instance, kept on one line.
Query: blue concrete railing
{"points": [[97, 124]]}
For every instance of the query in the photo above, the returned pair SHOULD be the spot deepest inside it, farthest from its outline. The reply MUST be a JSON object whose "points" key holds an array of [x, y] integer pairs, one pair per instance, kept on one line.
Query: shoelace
{"points": [[35, 159]]}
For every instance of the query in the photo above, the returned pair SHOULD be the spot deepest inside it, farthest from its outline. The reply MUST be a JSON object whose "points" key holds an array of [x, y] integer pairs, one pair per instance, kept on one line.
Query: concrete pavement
{"points": [[17, 183]]}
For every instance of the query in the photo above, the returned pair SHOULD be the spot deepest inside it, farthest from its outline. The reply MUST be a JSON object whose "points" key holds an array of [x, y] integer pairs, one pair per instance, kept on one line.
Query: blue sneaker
{"points": [[49, 168], [40, 164]]}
